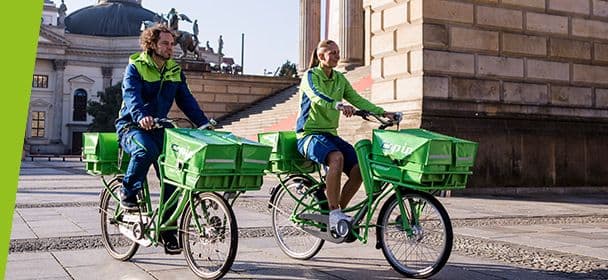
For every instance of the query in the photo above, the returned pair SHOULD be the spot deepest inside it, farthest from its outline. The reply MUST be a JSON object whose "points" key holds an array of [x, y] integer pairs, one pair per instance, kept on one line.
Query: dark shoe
{"points": [[128, 202], [171, 244]]}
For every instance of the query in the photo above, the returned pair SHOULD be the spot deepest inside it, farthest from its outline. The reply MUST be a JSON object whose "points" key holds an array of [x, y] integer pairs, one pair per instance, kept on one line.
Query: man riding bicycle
{"points": [[152, 82], [321, 90]]}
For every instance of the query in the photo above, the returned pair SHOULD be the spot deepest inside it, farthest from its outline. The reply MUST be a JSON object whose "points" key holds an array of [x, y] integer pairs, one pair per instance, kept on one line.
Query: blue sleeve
{"points": [[131, 94], [186, 102]]}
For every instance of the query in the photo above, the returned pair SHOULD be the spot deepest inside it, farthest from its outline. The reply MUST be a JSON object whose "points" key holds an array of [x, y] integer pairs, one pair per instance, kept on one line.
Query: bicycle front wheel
{"points": [[209, 235], [422, 249], [118, 246], [290, 237]]}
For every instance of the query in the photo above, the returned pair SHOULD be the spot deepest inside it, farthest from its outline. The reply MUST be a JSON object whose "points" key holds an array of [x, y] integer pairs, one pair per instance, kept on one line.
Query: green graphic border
{"points": [[18, 50]]}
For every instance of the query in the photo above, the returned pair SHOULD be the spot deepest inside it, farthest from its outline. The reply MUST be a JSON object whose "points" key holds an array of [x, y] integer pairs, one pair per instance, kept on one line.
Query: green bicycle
{"points": [[201, 164], [401, 170]]}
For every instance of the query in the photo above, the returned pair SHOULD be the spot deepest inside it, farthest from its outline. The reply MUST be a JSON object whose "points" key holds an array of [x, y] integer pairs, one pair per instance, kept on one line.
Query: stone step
{"points": [[271, 111]]}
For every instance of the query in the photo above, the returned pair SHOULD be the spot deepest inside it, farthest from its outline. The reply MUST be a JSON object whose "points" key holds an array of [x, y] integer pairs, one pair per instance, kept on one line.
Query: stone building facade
{"points": [[527, 79], [75, 61]]}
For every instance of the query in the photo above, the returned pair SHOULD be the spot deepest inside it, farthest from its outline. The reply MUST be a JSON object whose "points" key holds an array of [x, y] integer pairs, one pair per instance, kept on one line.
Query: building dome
{"points": [[110, 18]]}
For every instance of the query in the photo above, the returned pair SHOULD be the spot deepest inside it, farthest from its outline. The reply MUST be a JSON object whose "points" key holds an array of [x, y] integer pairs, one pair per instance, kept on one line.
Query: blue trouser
{"points": [[144, 148]]}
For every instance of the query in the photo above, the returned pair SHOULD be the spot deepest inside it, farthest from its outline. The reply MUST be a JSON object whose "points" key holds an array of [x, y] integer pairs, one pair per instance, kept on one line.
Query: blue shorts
{"points": [[316, 147]]}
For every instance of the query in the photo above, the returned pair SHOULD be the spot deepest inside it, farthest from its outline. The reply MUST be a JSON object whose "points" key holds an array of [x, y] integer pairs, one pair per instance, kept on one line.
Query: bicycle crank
{"points": [[337, 236]]}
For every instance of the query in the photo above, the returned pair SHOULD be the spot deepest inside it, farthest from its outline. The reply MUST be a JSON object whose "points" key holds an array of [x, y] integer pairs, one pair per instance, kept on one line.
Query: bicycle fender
{"points": [[104, 190]]}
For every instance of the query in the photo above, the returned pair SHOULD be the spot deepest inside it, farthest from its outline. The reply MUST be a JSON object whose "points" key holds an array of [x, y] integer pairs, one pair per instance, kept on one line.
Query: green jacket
{"points": [[318, 98]]}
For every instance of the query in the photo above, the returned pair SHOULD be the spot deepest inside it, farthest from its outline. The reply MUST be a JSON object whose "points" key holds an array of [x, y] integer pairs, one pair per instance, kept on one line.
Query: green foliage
{"points": [[105, 111], [288, 69]]}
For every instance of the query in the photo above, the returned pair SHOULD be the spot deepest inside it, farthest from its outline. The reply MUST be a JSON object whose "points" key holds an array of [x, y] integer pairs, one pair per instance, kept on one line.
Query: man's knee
{"points": [[145, 155]]}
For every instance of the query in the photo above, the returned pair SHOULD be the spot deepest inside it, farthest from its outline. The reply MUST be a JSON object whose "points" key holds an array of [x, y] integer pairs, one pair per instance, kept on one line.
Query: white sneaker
{"points": [[335, 216]]}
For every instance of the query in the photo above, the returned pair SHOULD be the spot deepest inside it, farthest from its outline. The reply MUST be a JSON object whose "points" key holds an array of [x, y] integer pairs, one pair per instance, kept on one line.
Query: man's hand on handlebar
{"points": [[147, 123]]}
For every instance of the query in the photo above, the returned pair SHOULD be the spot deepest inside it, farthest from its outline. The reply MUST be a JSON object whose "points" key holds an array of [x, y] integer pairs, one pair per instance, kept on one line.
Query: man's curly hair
{"points": [[149, 37]]}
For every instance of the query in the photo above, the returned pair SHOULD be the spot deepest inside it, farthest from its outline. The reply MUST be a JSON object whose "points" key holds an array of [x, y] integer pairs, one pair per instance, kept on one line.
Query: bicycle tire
{"points": [[431, 235], [218, 223], [286, 233], [113, 241]]}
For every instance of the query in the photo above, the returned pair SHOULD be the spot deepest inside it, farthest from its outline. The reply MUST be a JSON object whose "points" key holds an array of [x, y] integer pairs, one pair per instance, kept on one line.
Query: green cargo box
{"points": [[285, 157], [413, 146], [464, 151], [426, 159], [428, 178], [205, 160], [199, 159], [198, 150], [100, 153], [253, 156], [383, 168]]}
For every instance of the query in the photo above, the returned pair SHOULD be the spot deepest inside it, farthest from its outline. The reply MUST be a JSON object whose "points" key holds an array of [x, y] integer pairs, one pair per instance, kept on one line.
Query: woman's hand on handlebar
{"points": [[393, 116], [347, 110], [147, 123]]}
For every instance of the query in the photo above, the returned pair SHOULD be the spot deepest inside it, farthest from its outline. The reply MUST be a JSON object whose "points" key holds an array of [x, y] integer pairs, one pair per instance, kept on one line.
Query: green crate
{"points": [[199, 159], [285, 157], [457, 177], [422, 159], [464, 151], [412, 145], [409, 174], [248, 182], [100, 153], [204, 160], [199, 150], [253, 156]]}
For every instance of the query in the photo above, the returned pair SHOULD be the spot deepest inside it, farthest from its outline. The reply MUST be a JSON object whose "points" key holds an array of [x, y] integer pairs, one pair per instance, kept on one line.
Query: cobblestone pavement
{"points": [[55, 235]]}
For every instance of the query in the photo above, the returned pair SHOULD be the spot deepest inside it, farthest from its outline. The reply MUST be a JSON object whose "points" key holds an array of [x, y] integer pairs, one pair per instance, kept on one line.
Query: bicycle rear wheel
{"points": [[118, 246], [290, 237], [210, 250], [423, 250]]}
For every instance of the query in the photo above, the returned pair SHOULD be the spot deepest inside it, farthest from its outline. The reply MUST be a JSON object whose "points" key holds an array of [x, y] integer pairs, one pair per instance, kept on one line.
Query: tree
{"points": [[288, 69], [105, 111]]}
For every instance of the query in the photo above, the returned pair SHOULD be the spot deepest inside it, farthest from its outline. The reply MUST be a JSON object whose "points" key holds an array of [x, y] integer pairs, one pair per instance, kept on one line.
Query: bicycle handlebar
{"points": [[385, 122], [160, 123]]}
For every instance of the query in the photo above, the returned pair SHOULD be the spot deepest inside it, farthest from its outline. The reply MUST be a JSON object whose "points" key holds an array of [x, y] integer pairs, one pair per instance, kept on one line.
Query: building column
{"points": [[106, 73], [310, 30], [350, 33], [57, 122]]}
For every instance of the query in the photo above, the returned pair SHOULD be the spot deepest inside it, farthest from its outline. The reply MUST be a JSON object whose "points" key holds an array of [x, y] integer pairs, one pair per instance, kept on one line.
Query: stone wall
{"points": [[530, 53], [528, 79], [222, 94], [396, 51]]}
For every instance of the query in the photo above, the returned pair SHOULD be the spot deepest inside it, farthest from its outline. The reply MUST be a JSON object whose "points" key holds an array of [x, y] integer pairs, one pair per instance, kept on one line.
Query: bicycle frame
{"points": [[364, 209], [181, 196]]}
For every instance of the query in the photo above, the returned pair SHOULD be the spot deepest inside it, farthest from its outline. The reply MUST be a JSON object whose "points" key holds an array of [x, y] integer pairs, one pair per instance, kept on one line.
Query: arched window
{"points": [[80, 105]]}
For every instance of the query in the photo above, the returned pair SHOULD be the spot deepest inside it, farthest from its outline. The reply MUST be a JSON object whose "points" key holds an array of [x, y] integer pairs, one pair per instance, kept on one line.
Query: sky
{"points": [[270, 26]]}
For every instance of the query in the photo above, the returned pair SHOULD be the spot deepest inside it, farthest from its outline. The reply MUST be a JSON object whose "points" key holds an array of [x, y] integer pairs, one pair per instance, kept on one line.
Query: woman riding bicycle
{"points": [[321, 91]]}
